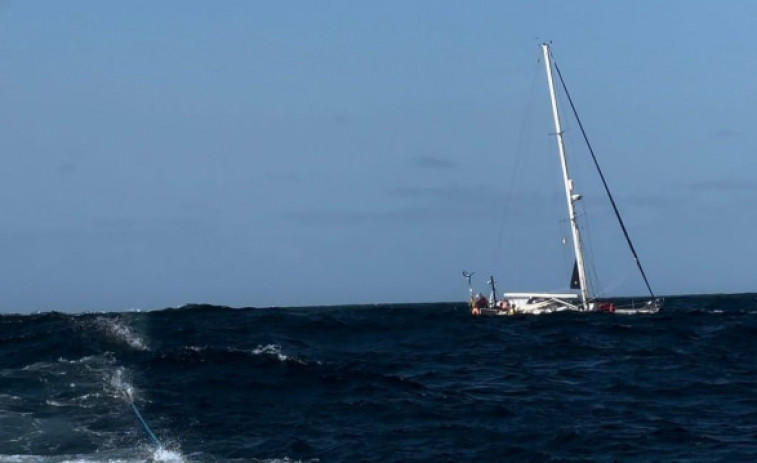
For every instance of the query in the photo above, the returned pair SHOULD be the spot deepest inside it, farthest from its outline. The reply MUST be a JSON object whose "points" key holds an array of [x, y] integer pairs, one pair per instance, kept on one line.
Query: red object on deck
{"points": [[608, 307]]}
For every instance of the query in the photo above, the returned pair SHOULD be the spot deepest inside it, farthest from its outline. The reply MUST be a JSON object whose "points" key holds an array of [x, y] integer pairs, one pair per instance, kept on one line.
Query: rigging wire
{"points": [[564, 230], [616, 284], [515, 172], [592, 273], [604, 182], [581, 210]]}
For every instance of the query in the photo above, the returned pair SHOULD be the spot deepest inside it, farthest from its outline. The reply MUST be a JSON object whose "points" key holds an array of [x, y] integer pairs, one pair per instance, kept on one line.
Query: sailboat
{"points": [[516, 303]]}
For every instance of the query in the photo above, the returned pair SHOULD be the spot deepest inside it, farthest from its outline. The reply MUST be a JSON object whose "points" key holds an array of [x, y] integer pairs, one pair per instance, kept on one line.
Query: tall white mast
{"points": [[569, 195]]}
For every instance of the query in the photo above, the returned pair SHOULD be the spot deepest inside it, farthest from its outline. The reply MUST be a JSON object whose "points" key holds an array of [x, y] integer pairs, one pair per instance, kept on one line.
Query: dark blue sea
{"points": [[381, 383]]}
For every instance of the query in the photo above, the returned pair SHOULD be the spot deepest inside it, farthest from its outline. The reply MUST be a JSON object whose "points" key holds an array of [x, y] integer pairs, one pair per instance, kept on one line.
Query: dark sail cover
{"points": [[575, 282]]}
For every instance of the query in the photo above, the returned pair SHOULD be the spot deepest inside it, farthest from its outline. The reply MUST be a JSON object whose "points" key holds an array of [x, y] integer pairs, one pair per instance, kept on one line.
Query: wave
{"points": [[390, 383], [137, 455], [115, 330], [274, 351], [192, 307], [193, 355]]}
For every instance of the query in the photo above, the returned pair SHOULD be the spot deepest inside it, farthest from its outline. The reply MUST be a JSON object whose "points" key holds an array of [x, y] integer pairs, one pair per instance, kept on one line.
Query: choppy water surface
{"points": [[423, 382]]}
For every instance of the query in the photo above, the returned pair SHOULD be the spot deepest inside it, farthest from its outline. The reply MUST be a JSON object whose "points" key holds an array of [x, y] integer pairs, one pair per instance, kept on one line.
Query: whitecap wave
{"points": [[140, 455], [121, 386], [106, 359], [274, 351], [117, 330], [163, 455]]}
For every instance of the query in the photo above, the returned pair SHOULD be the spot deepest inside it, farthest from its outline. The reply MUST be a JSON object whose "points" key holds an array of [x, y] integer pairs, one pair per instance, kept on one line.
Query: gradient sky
{"points": [[259, 153]]}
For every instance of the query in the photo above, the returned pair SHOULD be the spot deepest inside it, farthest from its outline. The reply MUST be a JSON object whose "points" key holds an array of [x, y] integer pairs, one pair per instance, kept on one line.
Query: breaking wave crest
{"points": [[274, 351], [193, 355], [117, 330]]}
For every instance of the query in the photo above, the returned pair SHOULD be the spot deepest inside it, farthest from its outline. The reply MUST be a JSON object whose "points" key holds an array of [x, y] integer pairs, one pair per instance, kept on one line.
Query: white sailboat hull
{"points": [[529, 303], [546, 303]]}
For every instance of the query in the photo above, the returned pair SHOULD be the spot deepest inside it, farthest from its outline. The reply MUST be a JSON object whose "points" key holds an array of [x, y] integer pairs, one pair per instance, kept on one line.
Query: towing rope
{"points": [[144, 424]]}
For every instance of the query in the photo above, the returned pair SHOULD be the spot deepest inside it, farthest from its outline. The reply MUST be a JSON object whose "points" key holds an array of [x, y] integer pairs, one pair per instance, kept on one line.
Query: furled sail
{"points": [[575, 282]]}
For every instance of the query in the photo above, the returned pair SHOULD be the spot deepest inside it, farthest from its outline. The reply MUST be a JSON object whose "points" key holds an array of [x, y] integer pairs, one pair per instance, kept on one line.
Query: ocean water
{"points": [[385, 383]]}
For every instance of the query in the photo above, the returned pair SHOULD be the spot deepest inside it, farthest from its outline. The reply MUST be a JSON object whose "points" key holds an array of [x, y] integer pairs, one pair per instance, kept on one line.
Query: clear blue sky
{"points": [[258, 153]]}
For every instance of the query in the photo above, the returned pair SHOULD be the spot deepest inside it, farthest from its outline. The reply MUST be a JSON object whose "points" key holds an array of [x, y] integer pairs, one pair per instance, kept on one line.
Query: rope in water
{"points": [[144, 424]]}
